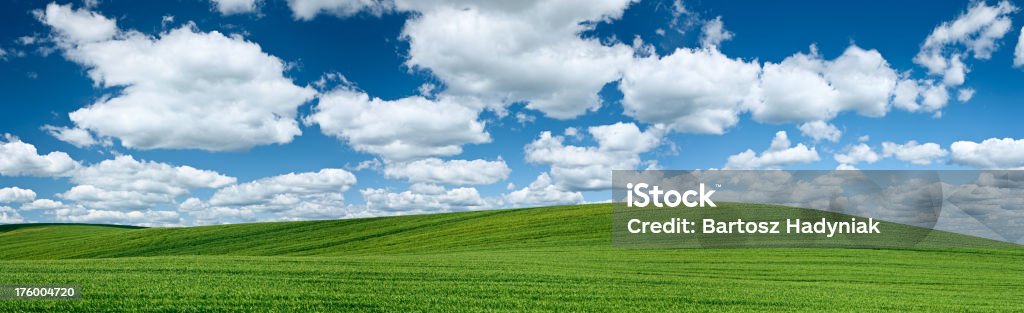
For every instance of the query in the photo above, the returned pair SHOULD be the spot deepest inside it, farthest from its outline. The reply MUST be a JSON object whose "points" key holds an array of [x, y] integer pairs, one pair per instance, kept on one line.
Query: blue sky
{"points": [[466, 92]]}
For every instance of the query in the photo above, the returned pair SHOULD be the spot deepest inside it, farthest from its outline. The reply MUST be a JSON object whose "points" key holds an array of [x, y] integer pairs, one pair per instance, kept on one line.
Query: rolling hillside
{"points": [[561, 228], [543, 259]]}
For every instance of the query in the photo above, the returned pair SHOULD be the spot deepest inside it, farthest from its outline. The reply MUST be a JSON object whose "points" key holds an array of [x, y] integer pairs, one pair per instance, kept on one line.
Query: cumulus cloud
{"points": [[77, 26], [425, 198], [964, 94], [292, 196], [576, 168], [43, 204], [182, 89], [542, 192], [530, 51], [820, 130], [308, 9], [452, 172], [124, 184], [805, 87], [15, 194], [705, 91], [846, 167], [143, 218], [713, 33], [18, 158], [781, 153], [920, 95], [690, 90], [266, 190], [428, 127], [9, 215], [934, 98], [229, 7], [75, 136], [1018, 52], [913, 152], [992, 153], [976, 31], [852, 155]]}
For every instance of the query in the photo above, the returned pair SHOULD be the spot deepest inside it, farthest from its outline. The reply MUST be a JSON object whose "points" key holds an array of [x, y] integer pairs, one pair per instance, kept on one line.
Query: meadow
{"points": [[543, 259]]}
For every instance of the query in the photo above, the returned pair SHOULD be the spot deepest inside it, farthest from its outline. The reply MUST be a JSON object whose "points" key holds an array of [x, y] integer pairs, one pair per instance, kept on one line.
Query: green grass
{"points": [[544, 259]]}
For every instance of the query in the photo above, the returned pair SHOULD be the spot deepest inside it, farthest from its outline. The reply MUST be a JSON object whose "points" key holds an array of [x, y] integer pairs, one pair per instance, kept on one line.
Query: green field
{"points": [[545, 259]]}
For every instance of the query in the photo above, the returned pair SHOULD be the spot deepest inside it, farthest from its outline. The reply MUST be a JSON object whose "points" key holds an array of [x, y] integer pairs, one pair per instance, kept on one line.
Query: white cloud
{"points": [[542, 192], [920, 96], [934, 98], [911, 151], [42, 204], [15, 194], [221, 215], [976, 31], [573, 132], [125, 172], [94, 197], [820, 130], [453, 172], [864, 80], [805, 87], [956, 74], [846, 167], [576, 168], [428, 127], [371, 164], [906, 94], [75, 136], [526, 51], [713, 33], [308, 9], [182, 89], [778, 155], [229, 7], [1018, 52], [293, 196], [166, 20], [690, 90], [524, 118], [642, 49], [964, 94], [625, 137], [794, 90], [992, 153], [143, 218], [266, 190], [853, 155], [124, 183], [18, 158], [424, 198], [77, 26], [9, 215], [920, 154]]}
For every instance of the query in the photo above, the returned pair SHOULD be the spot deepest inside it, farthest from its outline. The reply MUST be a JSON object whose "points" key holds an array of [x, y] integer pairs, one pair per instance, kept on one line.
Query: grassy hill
{"points": [[561, 228], [543, 259]]}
